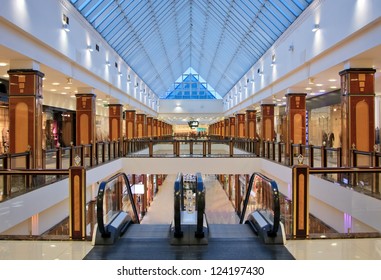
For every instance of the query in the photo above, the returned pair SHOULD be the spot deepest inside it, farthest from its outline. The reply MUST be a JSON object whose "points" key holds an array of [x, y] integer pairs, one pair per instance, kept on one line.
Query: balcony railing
{"points": [[91, 155]]}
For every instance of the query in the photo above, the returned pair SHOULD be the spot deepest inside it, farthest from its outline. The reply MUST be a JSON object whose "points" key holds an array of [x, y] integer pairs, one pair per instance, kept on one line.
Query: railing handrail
{"points": [[276, 202], [100, 197], [22, 171], [316, 170], [178, 198], [200, 196]]}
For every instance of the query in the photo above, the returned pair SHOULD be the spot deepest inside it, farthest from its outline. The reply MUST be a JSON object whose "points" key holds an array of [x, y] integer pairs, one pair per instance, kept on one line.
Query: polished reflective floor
{"points": [[218, 210]]}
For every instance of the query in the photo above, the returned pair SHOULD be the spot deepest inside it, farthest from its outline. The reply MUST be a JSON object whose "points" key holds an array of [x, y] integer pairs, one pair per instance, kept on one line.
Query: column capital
{"points": [[268, 104], [357, 71], [296, 94], [86, 90], [22, 64], [25, 72]]}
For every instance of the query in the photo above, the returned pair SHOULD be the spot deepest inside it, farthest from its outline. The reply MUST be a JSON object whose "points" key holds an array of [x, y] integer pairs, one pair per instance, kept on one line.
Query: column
{"points": [[149, 127], [240, 125], [85, 119], [77, 203], [159, 128], [115, 121], [154, 128], [357, 111], [296, 118], [227, 128], [300, 199], [251, 124], [232, 127], [116, 125], [25, 110], [130, 123], [141, 125], [267, 124]]}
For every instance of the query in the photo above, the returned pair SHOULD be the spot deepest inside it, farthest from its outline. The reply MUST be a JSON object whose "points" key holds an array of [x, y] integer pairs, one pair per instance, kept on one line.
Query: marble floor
{"points": [[219, 210]]}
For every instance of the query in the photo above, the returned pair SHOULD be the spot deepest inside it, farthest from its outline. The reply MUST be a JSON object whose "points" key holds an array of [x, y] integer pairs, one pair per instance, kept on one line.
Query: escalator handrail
{"points": [[178, 198], [100, 197], [200, 195], [276, 203]]}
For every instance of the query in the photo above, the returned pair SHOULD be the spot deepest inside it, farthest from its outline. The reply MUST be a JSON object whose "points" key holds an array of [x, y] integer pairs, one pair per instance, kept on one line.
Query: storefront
{"points": [[58, 127], [4, 118]]}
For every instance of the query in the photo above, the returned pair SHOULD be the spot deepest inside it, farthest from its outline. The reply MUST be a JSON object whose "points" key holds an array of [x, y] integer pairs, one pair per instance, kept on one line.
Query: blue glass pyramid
{"points": [[191, 86]]}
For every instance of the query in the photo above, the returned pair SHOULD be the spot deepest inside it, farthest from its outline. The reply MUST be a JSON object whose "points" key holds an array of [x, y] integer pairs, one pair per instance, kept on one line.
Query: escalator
{"points": [[190, 236]]}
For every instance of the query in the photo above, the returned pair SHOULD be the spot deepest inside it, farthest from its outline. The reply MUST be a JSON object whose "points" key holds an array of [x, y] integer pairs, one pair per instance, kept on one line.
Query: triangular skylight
{"points": [[191, 86]]}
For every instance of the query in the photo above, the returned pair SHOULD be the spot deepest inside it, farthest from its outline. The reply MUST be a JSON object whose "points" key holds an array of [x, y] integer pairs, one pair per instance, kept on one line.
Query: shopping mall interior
{"points": [[272, 108]]}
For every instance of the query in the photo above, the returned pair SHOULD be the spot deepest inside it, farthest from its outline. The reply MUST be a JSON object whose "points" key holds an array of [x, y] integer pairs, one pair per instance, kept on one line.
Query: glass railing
{"points": [[115, 196], [19, 181], [262, 196]]}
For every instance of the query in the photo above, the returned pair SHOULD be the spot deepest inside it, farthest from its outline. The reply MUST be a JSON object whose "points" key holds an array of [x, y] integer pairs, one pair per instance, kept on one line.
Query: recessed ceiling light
{"points": [[319, 85], [3, 64], [53, 89], [333, 87], [67, 87], [63, 93], [332, 80], [55, 84], [308, 88]]}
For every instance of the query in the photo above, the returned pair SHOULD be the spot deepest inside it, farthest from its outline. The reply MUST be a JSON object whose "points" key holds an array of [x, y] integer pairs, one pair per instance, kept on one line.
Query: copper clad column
{"points": [[240, 123], [141, 125], [25, 112], [267, 129], [296, 119], [357, 111], [149, 127], [115, 114], [251, 124], [130, 124], [85, 121]]}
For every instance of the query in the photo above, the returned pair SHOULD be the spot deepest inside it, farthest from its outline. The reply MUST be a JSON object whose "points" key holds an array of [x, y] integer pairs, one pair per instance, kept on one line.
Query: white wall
{"points": [[34, 29], [347, 28]]}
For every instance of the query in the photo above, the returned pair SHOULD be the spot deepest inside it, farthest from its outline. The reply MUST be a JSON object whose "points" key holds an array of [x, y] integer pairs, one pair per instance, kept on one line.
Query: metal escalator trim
{"points": [[100, 197], [276, 203]]}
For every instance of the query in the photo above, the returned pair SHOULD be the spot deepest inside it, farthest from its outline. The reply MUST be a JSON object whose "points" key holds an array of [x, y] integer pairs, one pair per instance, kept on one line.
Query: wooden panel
{"points": [[22, 131]]}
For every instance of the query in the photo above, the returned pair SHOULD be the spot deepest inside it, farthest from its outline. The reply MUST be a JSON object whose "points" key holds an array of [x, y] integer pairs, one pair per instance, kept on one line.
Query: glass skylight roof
{"points": [[220, 40], [191, 86]]}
